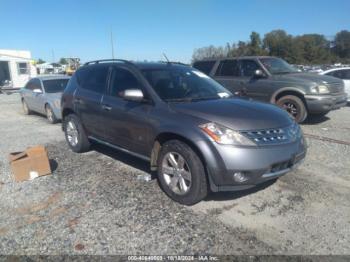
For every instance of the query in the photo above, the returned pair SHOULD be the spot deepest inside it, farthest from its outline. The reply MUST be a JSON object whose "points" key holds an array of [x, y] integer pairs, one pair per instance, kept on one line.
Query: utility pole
{"points": [[53, 56], [112, 44]]}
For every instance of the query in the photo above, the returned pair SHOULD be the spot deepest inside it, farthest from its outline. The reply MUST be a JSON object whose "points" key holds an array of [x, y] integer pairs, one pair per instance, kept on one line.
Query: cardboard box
{"points": [[30, 163]]}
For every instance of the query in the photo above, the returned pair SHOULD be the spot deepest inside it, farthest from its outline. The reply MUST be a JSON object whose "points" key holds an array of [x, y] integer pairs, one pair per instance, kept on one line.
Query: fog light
{"points": [[240, 177]]}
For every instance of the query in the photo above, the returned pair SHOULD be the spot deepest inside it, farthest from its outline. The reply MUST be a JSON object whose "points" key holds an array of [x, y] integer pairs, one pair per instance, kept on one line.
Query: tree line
{"points": [[302, 49]]}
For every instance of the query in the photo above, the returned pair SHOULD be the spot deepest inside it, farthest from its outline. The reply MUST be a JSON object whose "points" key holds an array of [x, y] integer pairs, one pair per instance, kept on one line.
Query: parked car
{"points": [[195, 134], [341, 73], [43, 95], [271, 79]]}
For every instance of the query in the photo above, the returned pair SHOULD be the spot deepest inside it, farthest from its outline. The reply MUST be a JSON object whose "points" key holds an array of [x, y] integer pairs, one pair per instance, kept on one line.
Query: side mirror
{"points": [[259, 73], [133, 95], [37, 91]]}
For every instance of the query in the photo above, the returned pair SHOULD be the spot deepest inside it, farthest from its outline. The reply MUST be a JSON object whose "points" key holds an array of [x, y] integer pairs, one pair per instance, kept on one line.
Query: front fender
{"points": [[286, 89]]}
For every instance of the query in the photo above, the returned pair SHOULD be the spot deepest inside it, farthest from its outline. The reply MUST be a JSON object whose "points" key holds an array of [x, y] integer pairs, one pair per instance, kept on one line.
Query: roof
{"points": [[139, 65], [335, 69], [236, 57], [51, 77]]}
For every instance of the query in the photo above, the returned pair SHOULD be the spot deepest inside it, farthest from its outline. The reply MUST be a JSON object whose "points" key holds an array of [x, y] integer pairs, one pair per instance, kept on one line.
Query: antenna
{"points": [[112, 44], [166, 58]]}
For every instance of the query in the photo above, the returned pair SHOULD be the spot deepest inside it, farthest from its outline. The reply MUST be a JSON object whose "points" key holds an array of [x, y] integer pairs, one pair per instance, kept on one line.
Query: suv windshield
{"points": [[55, 86], [277, 66], [184, 84]]}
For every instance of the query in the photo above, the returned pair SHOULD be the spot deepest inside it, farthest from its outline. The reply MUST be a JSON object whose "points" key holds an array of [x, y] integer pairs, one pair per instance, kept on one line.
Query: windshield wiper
{"points": [[195, 99]]}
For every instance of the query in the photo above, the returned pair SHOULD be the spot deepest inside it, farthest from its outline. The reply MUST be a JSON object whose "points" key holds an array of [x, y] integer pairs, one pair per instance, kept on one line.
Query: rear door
{"points": [[228, 75], [127, 123], [251, 86], [35, 98], [87, 99]]}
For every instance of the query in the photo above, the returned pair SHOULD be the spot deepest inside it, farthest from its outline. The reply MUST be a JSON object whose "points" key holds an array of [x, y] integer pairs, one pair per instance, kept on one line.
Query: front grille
{"points": [[272, 136], [281, 166], [337, 87]]}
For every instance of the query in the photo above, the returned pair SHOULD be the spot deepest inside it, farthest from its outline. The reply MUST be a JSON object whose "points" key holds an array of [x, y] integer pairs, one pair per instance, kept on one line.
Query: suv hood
{"points": [[334, 85], [237, 114]]}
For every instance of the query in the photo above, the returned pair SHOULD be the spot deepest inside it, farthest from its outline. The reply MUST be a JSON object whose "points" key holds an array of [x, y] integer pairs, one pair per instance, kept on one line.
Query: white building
{"points": [[15, 68]]}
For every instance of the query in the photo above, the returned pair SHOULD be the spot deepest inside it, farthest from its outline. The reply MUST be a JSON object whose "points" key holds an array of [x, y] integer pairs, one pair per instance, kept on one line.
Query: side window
{"points": [[331, 73], [29, 85], [204, 66], [346, 74], [33, 84], [23, 68], [36, 84], [121, 80], [94, 79], [248, 67], [228, 68]]}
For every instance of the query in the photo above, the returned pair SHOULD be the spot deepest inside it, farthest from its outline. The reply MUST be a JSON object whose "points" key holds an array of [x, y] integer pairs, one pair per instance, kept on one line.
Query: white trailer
{"points": [[15, 69]]}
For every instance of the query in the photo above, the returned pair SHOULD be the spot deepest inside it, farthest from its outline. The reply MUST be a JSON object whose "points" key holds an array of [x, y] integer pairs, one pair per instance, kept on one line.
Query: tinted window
{"points": [[121, 80], [228, 68], [33, 84], [183, 84], [342, 74], [55, 86], [204, 66], [94, 78], [248, 67]]}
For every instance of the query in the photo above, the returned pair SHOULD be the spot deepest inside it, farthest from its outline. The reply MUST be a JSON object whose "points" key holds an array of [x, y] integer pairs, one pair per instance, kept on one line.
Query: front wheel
{"points": [[294, 106], [50, 115], [181, 173], [25, 108], [75, 134]]}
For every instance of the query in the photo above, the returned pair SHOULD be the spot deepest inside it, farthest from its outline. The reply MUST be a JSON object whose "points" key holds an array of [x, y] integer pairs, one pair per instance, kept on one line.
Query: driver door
{"points": [[254, 87], [127, 123]]}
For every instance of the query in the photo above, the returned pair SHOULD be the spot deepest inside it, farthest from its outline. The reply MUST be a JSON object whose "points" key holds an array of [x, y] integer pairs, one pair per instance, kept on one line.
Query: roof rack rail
{"points": [[174, 62], [108, 60]]}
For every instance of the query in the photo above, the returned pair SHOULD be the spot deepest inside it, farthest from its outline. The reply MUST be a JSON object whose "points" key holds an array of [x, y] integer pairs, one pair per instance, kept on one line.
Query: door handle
{"points": [[77, 101], [106, 107]]}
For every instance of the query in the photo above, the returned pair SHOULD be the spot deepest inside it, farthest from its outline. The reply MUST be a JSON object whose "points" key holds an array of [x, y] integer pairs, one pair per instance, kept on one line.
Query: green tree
{"points": [[342, 44], [314, 48], [279, 43], [63, 61], [40, 61], [255, 46]]}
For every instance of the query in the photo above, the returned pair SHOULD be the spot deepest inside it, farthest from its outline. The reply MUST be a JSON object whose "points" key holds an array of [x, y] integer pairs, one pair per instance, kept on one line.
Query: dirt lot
{"points": [[94, 204]]}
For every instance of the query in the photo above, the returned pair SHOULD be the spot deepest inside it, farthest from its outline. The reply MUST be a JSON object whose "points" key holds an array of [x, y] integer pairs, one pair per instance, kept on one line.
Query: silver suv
{"points": [[194, 133]]}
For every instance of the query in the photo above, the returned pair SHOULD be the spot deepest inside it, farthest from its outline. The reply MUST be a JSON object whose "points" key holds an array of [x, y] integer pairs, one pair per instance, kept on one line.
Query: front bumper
{"points": [[325, 103], [258, 164]]}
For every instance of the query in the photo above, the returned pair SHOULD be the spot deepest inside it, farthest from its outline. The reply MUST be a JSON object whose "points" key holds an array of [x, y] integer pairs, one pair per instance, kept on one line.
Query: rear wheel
{"points": [[181, 173], [25, 108], [50, 115], [294, 106], [75, 134]]}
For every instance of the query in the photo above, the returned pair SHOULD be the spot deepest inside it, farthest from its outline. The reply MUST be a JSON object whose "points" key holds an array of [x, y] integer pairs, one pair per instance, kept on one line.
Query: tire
{"points": [[318, 115], [50, 115], [75, 134], [192, 173], [294, 106], [25, 108]]}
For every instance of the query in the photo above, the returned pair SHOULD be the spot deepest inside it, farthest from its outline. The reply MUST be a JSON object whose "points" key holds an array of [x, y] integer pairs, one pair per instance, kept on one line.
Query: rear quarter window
{"points": [[204, 66], [93, 78]]}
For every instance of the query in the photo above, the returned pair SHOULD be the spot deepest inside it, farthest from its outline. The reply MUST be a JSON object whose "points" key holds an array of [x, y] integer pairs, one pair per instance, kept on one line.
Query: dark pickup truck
{"points": [[273, 80]]}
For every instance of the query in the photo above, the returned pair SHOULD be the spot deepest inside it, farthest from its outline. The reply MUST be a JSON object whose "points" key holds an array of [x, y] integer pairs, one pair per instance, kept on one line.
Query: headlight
{"points": [[295, 132], [225, 136], [57, 103], [321, 89]]}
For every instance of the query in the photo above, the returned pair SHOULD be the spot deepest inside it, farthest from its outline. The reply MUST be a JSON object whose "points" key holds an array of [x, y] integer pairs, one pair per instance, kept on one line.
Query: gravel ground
{"points": [[94, 204]]}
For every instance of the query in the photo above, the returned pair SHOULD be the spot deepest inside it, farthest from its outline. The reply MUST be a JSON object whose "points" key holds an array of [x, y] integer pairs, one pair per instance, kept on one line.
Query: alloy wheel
{"points": [[291, 108], [176, 173], [49, 114], [72, 133]]}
